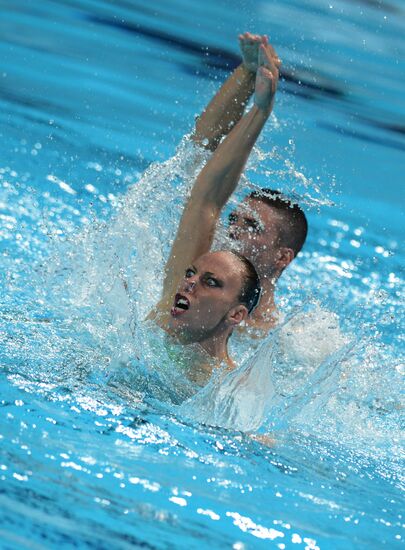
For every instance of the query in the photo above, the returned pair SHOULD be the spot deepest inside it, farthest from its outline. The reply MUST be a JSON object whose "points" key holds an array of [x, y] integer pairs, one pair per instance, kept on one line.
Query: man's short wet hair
{"points": [[293, 232]]}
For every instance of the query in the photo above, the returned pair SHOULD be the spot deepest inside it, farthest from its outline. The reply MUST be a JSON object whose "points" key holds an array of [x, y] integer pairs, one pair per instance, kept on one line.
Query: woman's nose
{"points": [[190, 284]]}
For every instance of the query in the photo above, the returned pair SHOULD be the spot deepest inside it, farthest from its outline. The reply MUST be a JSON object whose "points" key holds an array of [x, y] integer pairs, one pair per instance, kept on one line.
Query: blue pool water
{"points": [[96, 451]]}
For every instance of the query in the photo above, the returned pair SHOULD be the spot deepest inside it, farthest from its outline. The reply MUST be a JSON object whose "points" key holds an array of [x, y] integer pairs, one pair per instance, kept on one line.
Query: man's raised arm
{"points": [[219, 177]]}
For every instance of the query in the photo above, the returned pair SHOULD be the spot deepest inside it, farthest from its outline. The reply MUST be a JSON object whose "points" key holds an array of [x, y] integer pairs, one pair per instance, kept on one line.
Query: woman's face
{"points": [[209, 290]]}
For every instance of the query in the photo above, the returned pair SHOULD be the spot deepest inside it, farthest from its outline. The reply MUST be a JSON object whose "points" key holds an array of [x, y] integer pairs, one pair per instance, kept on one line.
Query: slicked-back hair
{"points": [[293, 232], [251, 289]]}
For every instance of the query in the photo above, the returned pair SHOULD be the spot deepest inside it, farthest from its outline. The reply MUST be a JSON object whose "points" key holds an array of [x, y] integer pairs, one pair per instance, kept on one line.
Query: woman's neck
{"points": [[217, 348], [213, 356]]}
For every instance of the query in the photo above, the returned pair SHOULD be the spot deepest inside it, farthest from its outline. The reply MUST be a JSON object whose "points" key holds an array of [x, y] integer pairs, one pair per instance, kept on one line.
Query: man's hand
{"points": [[249, 47], [266, 77]]}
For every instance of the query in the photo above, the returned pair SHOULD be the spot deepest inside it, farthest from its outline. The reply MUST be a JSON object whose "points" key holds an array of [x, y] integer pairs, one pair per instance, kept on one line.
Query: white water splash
{"points": [[100, 283]]}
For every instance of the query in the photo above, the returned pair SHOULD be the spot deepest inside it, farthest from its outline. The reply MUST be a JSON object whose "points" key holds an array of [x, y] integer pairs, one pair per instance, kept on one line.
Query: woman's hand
{"points": [[266, 77]]}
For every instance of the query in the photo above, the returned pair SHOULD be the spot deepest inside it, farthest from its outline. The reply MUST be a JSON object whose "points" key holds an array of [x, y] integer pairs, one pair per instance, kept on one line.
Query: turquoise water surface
{"points": [[99, 446]]}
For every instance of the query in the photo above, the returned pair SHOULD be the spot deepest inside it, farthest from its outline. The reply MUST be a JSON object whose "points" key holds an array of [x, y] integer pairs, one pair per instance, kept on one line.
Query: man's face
{"points": [[254, 225], [209, 290]]}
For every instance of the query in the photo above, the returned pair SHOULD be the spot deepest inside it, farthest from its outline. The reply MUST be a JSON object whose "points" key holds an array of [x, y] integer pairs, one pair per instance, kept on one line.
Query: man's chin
{"points": [[252, 254], [242, 247]]}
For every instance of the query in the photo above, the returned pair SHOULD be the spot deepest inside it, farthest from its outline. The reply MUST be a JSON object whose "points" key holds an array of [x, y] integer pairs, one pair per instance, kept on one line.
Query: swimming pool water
{"points": [[94, 453]]}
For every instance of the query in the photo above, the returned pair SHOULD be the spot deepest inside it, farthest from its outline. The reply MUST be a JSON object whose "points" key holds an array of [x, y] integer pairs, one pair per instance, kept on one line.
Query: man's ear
{"points": [[237, 314], [284, 257]]}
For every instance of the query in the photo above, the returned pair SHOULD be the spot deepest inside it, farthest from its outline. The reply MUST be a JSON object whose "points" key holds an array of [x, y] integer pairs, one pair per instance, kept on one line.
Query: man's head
{"points": [[218, 292], [269, 229]]}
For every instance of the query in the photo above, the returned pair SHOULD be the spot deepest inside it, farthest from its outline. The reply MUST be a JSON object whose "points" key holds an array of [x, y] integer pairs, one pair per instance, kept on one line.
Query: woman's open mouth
{"points": [[181, 305]]}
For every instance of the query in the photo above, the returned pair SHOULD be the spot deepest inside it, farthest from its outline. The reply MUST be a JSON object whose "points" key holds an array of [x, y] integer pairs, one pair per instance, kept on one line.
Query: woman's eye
{"points": [[189, 273], [211, 282]]}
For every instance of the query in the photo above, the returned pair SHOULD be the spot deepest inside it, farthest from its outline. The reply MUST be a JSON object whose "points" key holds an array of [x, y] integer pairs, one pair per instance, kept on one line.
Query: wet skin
{"points": [[208, 292], [255, 228]]}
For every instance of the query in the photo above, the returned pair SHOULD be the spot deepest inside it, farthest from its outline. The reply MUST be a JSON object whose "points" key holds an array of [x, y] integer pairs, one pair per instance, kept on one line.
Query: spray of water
{"points": [[86, 293]]}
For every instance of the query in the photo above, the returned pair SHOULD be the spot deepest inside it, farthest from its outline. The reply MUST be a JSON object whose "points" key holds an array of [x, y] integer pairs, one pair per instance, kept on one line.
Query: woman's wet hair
{"points": [[251, 289]]}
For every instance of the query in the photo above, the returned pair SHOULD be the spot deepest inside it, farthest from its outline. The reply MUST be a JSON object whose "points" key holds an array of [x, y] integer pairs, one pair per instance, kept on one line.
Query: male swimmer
{"points": [[268, 228], [207, 294]]}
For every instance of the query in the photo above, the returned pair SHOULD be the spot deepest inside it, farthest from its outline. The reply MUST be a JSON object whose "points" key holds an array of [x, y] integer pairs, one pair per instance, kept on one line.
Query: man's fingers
{"points": [[250, 38], [253, 37], [256, 50]]}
